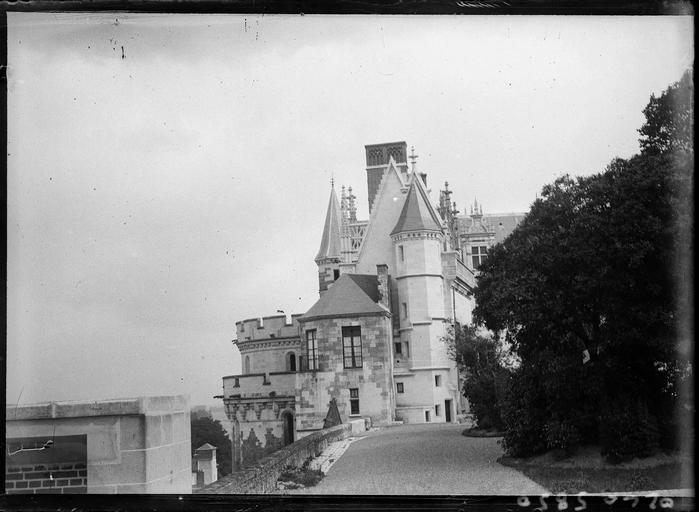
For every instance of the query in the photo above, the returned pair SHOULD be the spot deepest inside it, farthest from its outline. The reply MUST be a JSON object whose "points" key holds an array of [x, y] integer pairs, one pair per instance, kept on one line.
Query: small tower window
{"points": [[354, 400], [247, 364], [405, 310], [427, 416], [336, 274], [437, 410], [398, 347], [399, 387], [438, 380], [401, 253]]}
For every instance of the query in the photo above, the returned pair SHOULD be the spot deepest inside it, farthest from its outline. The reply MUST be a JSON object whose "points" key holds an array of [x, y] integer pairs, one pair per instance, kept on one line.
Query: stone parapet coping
{"points": [[262, 477], [146, 405]]}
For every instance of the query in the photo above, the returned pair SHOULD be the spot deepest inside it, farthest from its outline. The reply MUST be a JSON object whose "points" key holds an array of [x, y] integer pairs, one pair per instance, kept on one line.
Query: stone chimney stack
{"points": [[205, 460], [384, 290]]}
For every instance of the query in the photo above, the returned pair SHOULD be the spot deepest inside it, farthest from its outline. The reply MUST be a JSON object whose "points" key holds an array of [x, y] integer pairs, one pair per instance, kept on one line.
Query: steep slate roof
{"points": [[205, 446], [368, 283], [348, 296], [417, 213], [502, 224], [330, 243]]}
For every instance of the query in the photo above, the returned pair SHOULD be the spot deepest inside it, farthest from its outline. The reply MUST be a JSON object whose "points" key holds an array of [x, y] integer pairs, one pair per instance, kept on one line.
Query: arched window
{"points": [[247, 364], [291, 362]]}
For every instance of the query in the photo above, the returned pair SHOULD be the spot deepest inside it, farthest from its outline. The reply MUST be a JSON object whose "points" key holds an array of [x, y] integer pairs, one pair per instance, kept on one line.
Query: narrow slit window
{"points": [[354, 400]]}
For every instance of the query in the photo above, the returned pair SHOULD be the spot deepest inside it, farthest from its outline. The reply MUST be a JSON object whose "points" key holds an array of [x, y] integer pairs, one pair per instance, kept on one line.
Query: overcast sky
{"points": [[156, 198]]}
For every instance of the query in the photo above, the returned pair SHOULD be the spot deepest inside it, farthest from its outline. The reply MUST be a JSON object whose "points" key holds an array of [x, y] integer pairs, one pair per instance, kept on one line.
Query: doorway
{"points": [[447, 410], [288, 426]]}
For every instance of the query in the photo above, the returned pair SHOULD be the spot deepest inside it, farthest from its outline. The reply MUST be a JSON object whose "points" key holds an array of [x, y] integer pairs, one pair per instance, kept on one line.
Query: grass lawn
{"points": [[588, 472], [570, 480]]}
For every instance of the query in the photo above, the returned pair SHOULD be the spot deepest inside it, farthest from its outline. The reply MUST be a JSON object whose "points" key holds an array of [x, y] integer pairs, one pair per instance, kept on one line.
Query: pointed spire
{"points": [[330, 242], [417, 214]]}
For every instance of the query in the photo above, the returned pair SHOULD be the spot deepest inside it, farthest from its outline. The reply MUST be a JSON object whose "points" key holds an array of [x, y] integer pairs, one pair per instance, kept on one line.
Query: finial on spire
{"points": [[332, 180], [413, 157]]}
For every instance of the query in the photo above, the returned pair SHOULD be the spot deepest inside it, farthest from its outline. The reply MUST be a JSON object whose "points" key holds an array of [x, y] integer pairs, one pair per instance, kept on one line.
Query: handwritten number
{"points": [[632, 498], [652, 503], [523, 501], [562, 502], [583, 504], [543, 503], [666, 502]]}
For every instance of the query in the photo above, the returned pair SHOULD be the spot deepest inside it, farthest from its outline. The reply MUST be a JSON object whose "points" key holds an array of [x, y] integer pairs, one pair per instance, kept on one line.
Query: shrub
{"points": [[523, 416], [627, 431], [480, 356], [562, 435]]}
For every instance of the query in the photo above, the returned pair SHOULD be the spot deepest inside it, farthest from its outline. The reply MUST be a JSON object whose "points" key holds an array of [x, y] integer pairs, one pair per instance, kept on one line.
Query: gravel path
{"points": [[423, 459]]}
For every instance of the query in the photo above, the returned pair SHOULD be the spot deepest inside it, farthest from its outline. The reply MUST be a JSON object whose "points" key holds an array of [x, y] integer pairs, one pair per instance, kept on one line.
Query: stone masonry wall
{"points": [[139, 445], [262, 477], [373, 379], [61, 468]]}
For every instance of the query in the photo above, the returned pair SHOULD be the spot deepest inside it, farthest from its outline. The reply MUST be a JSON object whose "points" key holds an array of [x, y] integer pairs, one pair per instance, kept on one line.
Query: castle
{"points": [[372, 346]]}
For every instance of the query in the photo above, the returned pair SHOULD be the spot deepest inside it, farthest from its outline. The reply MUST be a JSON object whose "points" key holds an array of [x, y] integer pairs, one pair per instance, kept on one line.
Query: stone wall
{"points": [[139, 445], [262, 477], [332, 380], [60, 468]]}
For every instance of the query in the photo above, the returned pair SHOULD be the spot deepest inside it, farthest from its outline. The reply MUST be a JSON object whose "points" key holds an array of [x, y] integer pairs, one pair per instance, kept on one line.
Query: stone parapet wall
{"points": [[133, 445], [262, 477], [267, 327]]}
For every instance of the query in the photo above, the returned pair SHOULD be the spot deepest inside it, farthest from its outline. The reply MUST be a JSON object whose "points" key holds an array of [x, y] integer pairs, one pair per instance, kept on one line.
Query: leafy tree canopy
{"points": [[670, 119], [600, 264], [207, 430]]}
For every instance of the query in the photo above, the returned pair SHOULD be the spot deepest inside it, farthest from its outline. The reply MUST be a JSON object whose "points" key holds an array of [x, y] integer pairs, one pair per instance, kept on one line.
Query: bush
{"points": [[480, 356], [523, 416], [627, 431], [562, 435]]}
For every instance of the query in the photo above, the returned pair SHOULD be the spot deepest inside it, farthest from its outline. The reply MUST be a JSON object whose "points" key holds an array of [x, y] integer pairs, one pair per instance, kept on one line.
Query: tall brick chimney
{"points": [[377, 158]]}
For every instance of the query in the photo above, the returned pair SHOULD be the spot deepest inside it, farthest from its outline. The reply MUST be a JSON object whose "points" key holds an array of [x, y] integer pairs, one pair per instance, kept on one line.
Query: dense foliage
{"points": [[590, 289], [479, 357], [207, 430]]}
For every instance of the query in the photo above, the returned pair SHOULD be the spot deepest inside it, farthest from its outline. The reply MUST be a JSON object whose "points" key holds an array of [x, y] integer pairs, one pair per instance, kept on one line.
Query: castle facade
{"points": [[372, 346]]}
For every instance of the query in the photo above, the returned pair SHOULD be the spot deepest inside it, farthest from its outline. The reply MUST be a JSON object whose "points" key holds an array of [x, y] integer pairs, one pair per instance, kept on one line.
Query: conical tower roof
{"points": [[330, 243], [417, 214]]}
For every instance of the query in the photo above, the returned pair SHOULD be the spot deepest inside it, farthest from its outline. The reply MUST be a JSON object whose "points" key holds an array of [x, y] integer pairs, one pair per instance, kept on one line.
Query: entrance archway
{"points": [[288, 426]]}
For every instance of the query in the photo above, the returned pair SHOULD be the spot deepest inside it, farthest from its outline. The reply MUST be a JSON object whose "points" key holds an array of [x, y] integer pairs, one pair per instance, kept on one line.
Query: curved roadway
{"points": [[423, 459]]}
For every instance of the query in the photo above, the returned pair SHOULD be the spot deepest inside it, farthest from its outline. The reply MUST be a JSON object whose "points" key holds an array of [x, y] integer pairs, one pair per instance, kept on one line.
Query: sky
{"points": [[168, 175]]}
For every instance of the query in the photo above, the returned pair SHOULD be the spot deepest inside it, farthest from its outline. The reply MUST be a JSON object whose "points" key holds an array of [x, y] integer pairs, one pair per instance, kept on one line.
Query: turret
{"points": [[328, 258], [418, 238]]}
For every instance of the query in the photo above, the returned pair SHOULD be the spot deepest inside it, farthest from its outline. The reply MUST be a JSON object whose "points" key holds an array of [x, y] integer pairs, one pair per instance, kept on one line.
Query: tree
{"points": [[207, 430], [480, 358], [592, 272], [669, 122]]}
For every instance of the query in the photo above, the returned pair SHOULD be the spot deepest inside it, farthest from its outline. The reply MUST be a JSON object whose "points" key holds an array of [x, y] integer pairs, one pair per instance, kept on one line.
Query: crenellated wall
{"points": [[267, 327]]}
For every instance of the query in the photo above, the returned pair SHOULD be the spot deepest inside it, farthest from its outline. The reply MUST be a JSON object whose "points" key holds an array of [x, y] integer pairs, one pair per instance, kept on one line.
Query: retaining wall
{"points": [[262, 477]]}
